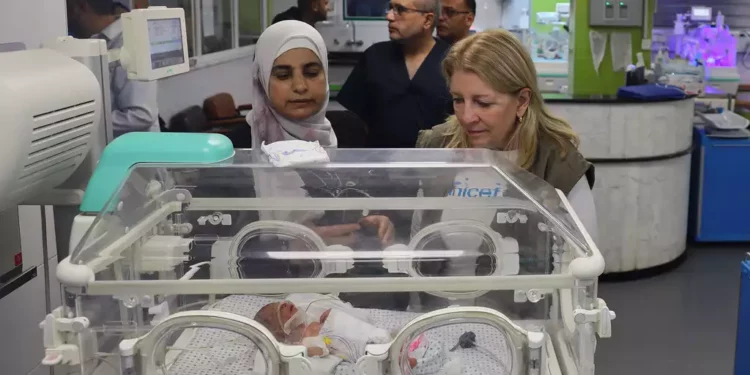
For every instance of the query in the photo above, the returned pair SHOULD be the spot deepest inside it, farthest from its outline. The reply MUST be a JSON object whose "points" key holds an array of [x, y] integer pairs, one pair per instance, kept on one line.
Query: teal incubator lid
{"points": [[130, 149]]}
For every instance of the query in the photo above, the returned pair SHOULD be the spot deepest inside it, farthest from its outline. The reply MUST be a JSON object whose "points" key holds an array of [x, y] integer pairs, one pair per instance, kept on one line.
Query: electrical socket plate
{"points": [[646, 44], [743, 40]]}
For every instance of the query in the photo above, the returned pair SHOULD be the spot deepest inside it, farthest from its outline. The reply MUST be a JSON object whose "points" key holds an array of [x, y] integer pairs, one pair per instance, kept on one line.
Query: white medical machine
{"points": [[56, 108], [549, 48], [484, 268], [162, 51], [711, 46]]}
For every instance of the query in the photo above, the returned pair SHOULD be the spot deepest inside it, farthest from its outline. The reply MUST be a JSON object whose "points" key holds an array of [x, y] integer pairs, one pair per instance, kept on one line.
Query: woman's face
{"points": [[489, 117], [298, 84]]}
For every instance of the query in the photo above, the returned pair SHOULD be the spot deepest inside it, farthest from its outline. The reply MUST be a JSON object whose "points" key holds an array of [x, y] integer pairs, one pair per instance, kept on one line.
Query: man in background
{"points": [[134, 103], [120, 8], [456, 18], [397, 87], [307, 11]]}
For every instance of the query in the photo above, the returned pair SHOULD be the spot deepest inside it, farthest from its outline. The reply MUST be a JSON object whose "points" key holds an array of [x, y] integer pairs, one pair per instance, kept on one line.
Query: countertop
{"points": [[599, 99], [563, 98]]}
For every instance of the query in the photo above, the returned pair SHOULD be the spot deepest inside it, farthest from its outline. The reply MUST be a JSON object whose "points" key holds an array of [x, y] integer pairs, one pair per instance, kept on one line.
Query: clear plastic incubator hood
{"points": [[205, 260]]}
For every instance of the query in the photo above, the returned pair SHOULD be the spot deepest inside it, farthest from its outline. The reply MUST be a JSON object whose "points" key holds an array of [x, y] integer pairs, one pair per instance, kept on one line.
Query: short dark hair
{"points": [[100, 7], [118, 5], [304, 5], [472, 5]]}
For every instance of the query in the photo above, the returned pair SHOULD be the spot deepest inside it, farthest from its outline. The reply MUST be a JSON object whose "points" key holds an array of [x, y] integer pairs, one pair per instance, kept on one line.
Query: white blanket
{"points": [[219, 352]]}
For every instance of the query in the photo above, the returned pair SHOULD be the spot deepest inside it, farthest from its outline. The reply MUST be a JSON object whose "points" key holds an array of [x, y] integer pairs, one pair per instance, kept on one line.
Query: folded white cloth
{"points": [[293, 152]]}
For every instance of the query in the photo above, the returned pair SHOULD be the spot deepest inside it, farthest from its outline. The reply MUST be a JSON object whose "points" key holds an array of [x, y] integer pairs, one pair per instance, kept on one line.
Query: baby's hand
{"points": [[312, 330], [324, 316], [314, 351]]}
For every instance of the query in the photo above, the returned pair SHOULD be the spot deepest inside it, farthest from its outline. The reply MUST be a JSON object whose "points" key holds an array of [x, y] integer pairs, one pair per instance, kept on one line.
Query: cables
{"points": [[468, 340]]}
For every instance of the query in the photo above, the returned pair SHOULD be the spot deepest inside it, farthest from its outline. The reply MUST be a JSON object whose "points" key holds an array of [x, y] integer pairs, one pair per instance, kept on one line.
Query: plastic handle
{"points": [[52, 359], [149, 147]]}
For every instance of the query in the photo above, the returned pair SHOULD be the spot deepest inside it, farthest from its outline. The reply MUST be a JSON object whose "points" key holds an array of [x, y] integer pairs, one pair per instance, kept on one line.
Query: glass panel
{"points": [[358, 9], [207, 350], [233, 211], [187, 5], [474, 348], [548, 39], [468, 344], [251, 21], [388, 229], [217, 25]]}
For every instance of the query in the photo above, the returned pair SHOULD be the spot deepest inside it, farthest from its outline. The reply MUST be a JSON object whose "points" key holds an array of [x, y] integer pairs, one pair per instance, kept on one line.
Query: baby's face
{"points": [[278, 313], [286, 311]]}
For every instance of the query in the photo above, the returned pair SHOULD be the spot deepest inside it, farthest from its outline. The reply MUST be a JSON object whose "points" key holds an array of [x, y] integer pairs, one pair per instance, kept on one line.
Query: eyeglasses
{"points": [[399, 9], [452, 12]]}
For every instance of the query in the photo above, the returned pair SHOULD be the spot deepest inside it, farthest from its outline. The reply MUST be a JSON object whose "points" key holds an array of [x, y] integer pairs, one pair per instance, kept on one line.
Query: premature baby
{"points": [[334, 331], [324, 325]]}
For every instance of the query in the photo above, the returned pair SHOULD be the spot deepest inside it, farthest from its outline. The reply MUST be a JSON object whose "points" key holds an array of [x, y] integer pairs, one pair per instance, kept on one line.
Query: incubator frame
{"points": [[576, 310], [526, 346]]}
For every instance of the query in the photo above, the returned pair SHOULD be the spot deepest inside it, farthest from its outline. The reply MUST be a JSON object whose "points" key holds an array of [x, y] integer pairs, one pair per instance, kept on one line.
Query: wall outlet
{"points": [[646, 44], [743, 40]]}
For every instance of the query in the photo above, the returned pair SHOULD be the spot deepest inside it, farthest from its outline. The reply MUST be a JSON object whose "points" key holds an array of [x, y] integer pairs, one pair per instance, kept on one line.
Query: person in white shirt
{"points": [[134, 103]]}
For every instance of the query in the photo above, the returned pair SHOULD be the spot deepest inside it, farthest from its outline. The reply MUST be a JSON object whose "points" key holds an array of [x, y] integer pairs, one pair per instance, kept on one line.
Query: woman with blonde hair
{"points": [[498, 106]]}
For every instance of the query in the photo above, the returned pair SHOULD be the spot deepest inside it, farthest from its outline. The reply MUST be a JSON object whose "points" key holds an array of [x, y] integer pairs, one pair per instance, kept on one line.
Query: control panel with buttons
{"points": [[616, 13]]}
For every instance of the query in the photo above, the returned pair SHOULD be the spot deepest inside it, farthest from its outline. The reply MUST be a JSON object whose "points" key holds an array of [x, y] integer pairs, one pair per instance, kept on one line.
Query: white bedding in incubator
{"points": [[205, 351]]}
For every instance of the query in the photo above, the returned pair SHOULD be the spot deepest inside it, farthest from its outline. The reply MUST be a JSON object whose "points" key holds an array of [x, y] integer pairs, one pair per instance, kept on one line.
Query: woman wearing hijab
{"points": [[290, 86], [290, 97]]}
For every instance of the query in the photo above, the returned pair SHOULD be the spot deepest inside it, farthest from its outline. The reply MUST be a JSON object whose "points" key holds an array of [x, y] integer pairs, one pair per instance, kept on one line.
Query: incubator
{"points": [[706, 44], [549, 44], [413, 261]]}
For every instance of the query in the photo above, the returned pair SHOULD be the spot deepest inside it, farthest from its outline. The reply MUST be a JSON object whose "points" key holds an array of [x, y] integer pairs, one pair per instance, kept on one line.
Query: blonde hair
{"points": [[501, 61]]}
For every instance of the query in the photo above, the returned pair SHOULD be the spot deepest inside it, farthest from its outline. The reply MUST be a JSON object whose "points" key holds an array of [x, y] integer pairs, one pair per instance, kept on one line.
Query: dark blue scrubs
{"points": [[394, 107]]}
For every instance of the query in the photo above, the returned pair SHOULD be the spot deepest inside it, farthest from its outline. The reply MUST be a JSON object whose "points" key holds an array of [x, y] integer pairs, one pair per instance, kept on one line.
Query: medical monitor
{"points": [[700, 13], [155, 43]]}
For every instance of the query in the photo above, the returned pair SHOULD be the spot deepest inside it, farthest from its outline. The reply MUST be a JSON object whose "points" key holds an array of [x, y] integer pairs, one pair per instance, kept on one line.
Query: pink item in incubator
{"points": [[416, 343]]}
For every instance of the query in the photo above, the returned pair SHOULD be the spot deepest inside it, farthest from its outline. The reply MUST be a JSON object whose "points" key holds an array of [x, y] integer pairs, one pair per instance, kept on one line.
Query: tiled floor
{"points": [[681, 322]]}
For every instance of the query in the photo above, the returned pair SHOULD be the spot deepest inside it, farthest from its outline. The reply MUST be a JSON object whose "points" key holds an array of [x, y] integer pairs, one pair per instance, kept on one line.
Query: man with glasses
{"points": [[397, 87], [456, 18]]}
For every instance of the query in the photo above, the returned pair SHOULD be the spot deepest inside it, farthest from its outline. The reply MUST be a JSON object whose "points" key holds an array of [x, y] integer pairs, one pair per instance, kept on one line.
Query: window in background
{"points": [[217, 30], [250, 21], [365, 9], [216, 25]]}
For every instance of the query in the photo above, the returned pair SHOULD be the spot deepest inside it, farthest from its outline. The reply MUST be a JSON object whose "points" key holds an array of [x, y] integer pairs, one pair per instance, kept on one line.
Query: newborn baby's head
{"points": [[283, 319]]}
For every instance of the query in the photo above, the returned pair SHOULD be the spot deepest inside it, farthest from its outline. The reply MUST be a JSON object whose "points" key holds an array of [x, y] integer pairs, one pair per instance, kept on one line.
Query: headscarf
{"points": [[267, 125]]}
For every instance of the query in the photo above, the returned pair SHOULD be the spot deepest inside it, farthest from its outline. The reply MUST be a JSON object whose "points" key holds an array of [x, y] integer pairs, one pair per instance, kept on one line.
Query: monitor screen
{"points": [[366, 8], [165, 39], [698, 13]]}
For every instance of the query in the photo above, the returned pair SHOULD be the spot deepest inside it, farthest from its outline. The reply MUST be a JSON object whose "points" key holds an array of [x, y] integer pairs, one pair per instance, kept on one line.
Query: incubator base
{"points": [[553, 365]]}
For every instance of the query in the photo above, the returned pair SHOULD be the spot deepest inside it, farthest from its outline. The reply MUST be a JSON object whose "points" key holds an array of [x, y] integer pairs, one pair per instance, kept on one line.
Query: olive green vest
{"points": [[562, 172]]}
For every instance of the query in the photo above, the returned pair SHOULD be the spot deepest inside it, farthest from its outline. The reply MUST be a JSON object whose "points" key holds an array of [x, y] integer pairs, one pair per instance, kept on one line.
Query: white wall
{"points": [[489, 14], [47, 20], [279, 6]]}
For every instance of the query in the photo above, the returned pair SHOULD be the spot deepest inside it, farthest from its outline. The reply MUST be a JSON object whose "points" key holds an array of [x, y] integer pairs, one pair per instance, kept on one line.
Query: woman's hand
{"points": [[386, 230], [342, 234]]}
